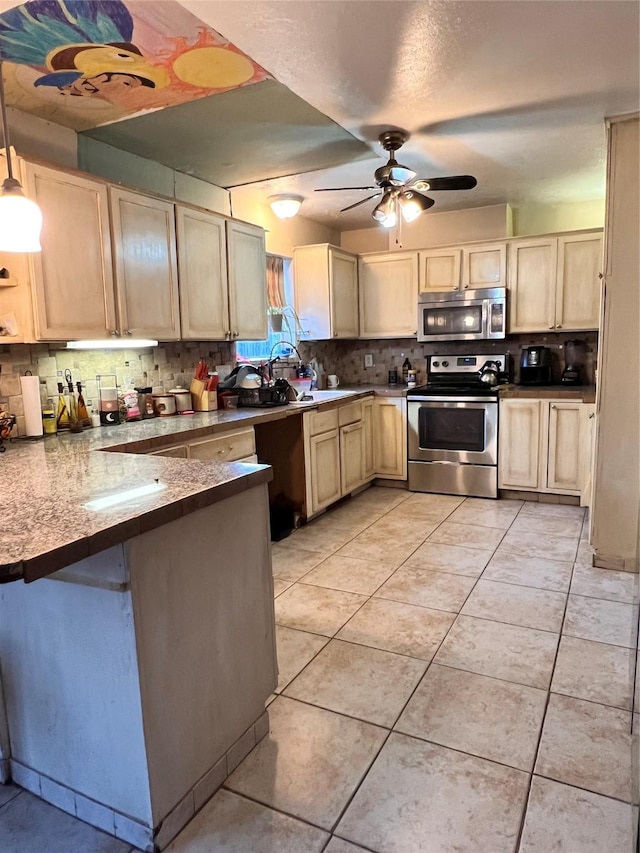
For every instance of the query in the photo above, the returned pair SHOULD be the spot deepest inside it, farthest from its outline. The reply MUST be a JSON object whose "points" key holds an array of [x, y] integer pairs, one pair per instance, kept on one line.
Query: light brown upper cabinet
{"points": [[440, 269], [247, 267], [326, 288], [146, 272], [554, 284], [484, 265], [202, 269], [470, 267], [389, 295], [72, 278]]}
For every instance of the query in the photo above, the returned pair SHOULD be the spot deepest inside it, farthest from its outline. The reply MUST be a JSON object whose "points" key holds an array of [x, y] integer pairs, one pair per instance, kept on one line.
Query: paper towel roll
{"points": [[30, 386]]}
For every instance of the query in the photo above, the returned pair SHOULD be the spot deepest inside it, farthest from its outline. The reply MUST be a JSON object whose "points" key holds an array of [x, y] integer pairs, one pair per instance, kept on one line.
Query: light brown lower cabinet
{"points": [[546, 446]]}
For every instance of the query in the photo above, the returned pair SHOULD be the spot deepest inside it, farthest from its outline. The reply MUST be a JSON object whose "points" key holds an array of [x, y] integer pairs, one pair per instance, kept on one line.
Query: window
{"points": [[279, 296]]}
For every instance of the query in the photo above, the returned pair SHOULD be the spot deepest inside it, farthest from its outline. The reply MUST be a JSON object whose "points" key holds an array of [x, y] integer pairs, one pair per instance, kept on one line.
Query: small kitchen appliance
{"points": [[535, 366], [462, 315], [452, 426], [574, 361]]}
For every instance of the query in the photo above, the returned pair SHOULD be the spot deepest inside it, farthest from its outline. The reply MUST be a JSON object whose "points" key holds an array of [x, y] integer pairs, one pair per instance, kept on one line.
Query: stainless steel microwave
{"points": [[469, 315]]}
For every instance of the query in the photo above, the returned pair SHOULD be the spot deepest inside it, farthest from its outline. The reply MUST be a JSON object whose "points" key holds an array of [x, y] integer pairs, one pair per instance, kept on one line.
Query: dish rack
{"points": [[7, 423]]}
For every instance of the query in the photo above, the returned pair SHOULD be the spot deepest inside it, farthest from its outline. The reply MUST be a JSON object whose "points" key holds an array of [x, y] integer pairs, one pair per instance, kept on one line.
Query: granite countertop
{"points": [[48, 483], [582, 393]]}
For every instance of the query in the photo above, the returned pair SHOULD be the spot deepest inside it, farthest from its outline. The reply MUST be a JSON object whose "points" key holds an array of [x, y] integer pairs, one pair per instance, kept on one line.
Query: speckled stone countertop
{"points": [[581, 393], [48, 482]]}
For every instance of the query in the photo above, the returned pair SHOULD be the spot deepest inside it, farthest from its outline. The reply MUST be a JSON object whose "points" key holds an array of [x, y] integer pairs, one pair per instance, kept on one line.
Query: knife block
{"points": [[203, 400]]}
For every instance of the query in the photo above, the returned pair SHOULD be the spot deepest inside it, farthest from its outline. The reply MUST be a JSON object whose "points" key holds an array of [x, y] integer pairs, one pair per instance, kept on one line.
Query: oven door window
{"points": [[452, 320], [448, 428]]}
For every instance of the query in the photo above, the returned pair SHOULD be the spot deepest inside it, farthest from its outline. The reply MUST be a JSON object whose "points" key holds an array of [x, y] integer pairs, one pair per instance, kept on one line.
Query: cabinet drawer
{"points": [[322, 421], [228, 447], [350, 414], [177, 452]]}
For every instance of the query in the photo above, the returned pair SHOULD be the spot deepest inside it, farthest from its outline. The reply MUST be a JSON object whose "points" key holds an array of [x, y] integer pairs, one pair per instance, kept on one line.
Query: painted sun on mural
{"points": [[85, 63]]}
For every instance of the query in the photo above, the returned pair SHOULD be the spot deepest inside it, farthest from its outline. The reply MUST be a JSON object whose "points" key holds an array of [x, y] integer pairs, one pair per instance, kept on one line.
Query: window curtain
{"points": [[275, 282]]}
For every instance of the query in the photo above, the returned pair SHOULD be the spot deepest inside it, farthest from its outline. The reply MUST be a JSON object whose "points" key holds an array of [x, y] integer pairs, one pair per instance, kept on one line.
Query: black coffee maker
{"points": [[535, 366], [574, 352]]}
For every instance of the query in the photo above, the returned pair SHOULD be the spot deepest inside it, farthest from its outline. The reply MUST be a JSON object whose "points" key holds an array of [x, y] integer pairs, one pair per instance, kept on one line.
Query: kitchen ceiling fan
{"points": [[400, 188]]}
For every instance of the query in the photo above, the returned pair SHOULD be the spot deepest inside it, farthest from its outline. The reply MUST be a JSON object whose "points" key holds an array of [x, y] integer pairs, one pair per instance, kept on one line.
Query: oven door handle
{"points": [[443, 462]]}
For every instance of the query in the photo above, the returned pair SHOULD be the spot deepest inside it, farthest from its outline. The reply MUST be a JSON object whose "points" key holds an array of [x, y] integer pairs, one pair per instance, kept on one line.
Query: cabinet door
{"points": [[519, 445], [343, 273], [351, 457], [578, 285], [311, 285], [440, 270], [390, 438], [73, 275], [532, 281], [324, 452], [484, 266], [569, 446], [144, 243], [367, 425], [389, 296], [202, 270], [247, 265]]}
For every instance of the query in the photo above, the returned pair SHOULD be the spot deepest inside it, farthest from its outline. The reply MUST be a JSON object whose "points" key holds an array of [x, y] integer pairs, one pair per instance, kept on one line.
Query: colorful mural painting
{"points": [[85, 63]]}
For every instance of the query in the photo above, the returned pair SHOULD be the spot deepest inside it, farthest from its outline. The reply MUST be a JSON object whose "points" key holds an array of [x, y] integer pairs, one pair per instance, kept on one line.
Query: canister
{"points": [[164, 404], [183, 399]]}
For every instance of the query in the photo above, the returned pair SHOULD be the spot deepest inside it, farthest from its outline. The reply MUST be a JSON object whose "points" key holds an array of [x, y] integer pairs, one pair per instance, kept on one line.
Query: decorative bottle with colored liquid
{"points": [[62, 416]]}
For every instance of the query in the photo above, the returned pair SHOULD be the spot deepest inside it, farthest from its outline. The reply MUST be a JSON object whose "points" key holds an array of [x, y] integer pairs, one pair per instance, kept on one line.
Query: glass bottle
{"points": [[62, 416], [75, 422], [83, 413], [406, 367], [47, 405]]}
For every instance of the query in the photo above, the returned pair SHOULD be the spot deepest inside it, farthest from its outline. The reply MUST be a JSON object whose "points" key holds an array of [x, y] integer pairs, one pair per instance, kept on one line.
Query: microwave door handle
{"points": [[485, 318]]}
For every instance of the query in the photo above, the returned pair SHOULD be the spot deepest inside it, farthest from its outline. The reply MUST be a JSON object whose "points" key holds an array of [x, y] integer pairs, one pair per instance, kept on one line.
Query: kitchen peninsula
{"points": [[137, 666], [139, 652]]}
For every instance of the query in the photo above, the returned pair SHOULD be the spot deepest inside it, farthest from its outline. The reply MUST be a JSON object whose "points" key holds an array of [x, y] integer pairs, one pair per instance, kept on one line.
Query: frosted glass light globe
{"points": [[20, 220]]}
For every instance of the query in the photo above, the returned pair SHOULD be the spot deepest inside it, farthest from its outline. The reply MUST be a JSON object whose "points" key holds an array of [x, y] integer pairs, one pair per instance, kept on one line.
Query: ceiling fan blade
{"points": [[341, 189], [454, 182], [358, 203]]}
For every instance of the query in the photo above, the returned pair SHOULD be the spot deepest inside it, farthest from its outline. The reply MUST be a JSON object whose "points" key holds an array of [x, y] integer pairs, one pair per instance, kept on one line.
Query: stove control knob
{"points": [[445, 364], [435, 364]]}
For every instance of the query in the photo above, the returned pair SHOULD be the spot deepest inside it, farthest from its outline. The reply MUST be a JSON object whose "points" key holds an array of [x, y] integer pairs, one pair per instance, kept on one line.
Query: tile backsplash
{"points": [[172, 364], [346, 358], [162, 368]]}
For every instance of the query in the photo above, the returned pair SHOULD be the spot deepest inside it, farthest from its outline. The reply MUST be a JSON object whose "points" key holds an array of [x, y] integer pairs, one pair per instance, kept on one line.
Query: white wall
{"points": [[493, 222], [546, 219], [282, 234], [617, 486], [42, 139]]}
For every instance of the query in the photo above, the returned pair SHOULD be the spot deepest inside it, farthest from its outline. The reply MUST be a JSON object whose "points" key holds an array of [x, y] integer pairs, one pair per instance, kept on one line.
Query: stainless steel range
{"points": [[453, 426]]}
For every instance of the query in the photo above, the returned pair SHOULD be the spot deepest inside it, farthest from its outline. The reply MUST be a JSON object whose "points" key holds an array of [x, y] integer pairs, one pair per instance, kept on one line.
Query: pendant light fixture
{"points": [[20, 218]]}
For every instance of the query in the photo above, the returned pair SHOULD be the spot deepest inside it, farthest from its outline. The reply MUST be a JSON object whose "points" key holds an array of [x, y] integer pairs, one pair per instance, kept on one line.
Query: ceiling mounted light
{"points": [[413, 203], [20, 218], [285, 206]]}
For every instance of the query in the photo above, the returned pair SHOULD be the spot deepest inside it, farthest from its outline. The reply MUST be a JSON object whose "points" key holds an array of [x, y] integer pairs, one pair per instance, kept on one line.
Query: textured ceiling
{"points": [[515, 93]]}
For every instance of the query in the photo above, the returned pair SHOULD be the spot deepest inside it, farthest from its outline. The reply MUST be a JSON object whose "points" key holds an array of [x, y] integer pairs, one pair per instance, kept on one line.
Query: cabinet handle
{"points": [[466, 287], [456, 287], [236, 334], [114, 333], [227, 335], [552, 327], [592, 415], [128, 332], [558, 325], [335, 334], [600, 275], [554, 407]]}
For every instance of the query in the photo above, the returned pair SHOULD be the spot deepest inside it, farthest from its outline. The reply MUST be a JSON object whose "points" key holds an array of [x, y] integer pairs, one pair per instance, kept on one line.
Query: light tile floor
{"points": [[453, 676]]}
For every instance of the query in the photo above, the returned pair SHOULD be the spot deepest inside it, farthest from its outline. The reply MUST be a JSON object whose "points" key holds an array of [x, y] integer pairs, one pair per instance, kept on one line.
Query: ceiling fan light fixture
{"points": [[412, 204], [286, 205], [385, 211]]}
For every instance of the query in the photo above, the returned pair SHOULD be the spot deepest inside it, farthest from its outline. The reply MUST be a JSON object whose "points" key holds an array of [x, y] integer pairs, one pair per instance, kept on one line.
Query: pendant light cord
{"points": [[5, 126]]}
